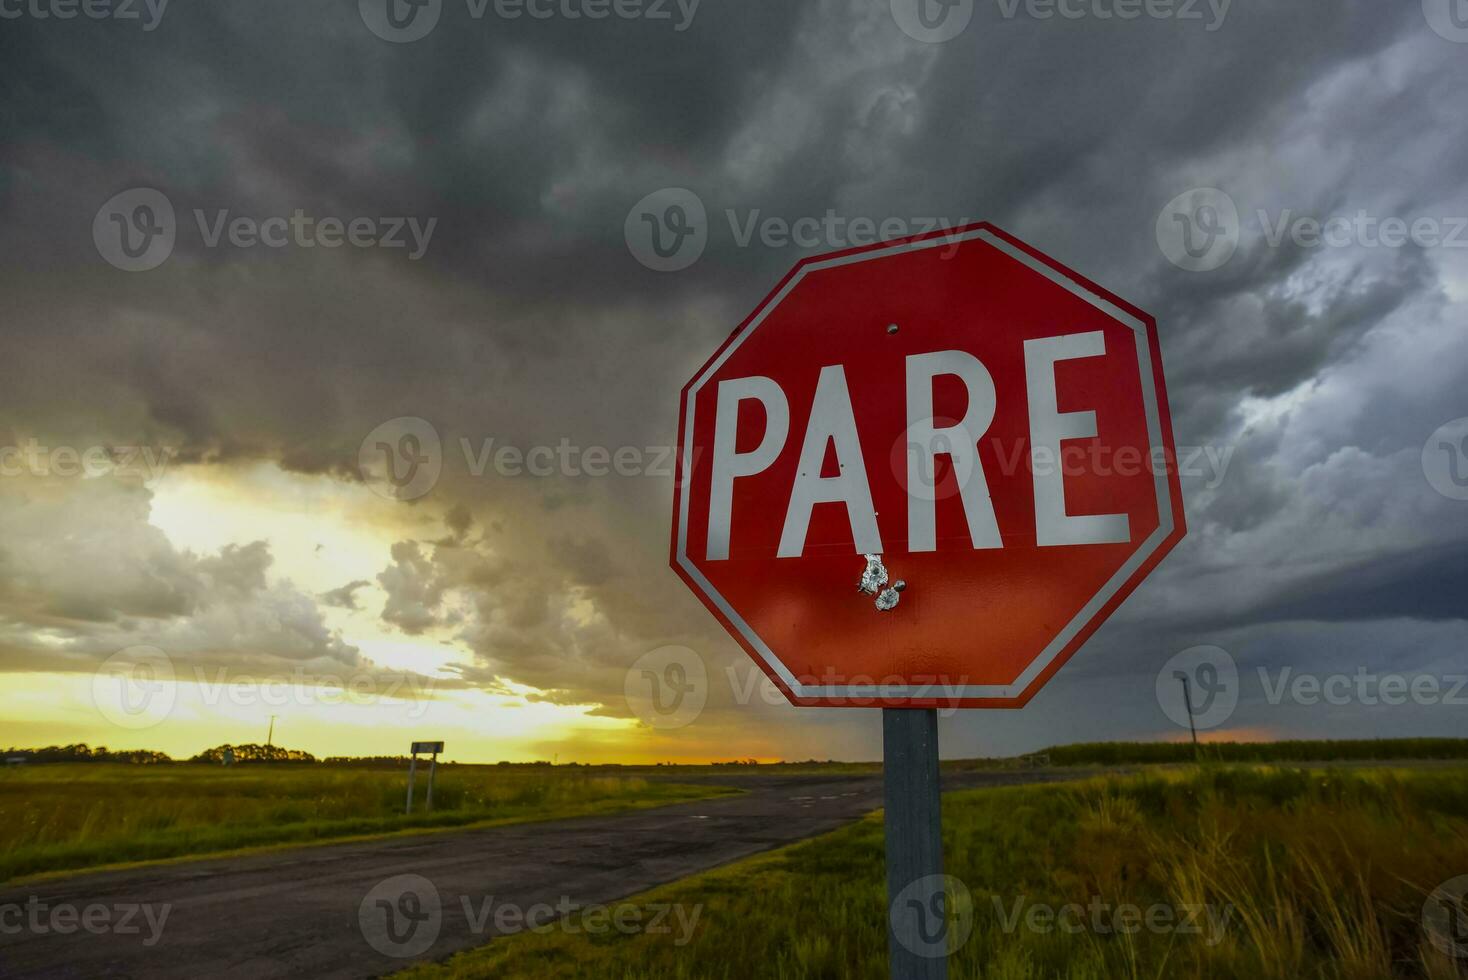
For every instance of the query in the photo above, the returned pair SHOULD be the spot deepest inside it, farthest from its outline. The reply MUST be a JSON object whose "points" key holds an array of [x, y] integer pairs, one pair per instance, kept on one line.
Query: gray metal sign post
{"points": [[431, 749], [917, 904]]}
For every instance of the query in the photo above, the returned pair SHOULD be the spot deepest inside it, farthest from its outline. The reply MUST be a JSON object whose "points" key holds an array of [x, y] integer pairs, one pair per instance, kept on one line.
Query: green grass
{"points": [[77, 816], [1344, 750], [1324, 871]]}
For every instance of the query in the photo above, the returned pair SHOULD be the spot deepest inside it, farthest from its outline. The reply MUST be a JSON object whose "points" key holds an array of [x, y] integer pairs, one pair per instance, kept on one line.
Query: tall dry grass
{"points": [[83, 815]]}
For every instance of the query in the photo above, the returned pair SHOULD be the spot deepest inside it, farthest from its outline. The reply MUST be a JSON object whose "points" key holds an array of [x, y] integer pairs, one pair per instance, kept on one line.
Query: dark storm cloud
{"points": [[1430, 584], [527, 321]]}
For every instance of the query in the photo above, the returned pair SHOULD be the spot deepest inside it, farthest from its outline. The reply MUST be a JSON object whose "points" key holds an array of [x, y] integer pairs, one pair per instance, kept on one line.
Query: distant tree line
{"points": [[253, 752], [81, 752], [1348, 750]]}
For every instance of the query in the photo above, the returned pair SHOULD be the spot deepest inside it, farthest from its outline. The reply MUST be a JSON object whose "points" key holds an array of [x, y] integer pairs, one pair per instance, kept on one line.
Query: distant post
{"points": [[1182, 675]]}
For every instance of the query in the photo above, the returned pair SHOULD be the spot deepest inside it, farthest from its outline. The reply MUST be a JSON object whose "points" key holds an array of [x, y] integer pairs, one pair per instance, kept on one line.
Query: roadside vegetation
{"points": [[1285, 872], [85, 815], [1359, 750]]}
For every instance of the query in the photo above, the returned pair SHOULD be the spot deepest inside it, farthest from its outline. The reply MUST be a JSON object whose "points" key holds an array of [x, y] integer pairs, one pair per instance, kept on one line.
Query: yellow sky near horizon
{"points": [[322, 533]]}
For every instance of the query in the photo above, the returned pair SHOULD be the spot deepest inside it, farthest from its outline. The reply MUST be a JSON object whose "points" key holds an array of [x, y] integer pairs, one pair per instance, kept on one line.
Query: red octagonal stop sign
{"points": [[991, 425]]}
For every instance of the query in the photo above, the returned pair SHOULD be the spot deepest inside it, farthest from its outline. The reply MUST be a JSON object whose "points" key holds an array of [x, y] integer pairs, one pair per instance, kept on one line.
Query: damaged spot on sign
{"points": [[873, 580], [874, 577]]}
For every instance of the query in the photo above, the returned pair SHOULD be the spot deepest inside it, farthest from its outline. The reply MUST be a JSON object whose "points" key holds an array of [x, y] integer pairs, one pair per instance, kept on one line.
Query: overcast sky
{"points": [[499, 285]]}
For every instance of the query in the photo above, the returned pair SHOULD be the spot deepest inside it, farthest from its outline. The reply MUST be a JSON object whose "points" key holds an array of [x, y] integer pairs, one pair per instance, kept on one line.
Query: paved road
{"points": [[346, 910]]}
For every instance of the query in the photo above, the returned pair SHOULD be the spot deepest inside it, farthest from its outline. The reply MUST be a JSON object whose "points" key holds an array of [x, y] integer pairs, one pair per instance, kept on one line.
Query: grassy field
{"points": [[84, 815], [1292, 873], [1344, 750]]}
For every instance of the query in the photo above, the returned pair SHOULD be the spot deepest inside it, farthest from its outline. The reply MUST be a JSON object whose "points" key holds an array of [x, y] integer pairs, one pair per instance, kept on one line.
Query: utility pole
{"points": [[1182, 675]]}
